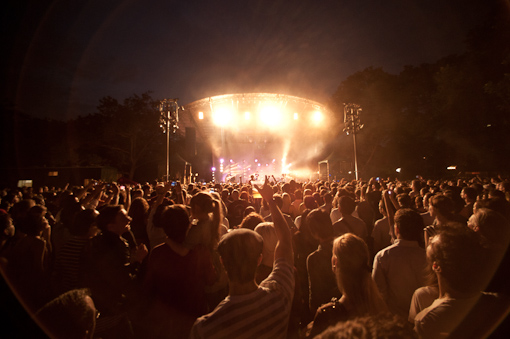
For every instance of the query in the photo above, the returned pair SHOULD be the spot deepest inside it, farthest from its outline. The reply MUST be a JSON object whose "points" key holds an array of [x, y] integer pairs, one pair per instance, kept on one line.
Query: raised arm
{"points": [[284, 246], [126, 194], [390, 212]]}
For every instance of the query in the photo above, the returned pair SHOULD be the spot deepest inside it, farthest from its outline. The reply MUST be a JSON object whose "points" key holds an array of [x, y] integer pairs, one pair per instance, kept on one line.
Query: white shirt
{"points": [[398, 271]]}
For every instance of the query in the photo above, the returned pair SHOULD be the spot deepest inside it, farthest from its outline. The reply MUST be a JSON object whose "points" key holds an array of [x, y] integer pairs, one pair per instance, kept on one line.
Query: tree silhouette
{"points": [[124, 135]]}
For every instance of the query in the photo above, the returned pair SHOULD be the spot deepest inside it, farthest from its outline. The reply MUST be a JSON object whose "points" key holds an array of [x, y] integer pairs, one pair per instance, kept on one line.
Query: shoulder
{"points": [[281, 278], [334, 306], [312, 257], [385, 252], [356, 220]]}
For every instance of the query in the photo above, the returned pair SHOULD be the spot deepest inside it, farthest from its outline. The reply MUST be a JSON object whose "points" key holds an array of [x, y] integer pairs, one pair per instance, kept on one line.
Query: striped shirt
{"points": [[263, 313], [69, 264]]}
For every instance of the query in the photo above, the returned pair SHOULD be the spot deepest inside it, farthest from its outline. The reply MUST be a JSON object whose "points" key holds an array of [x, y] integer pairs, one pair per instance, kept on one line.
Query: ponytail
{"points": [[217, 220]]}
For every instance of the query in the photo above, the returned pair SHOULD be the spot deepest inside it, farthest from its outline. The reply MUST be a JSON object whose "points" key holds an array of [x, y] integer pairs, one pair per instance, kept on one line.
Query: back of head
{"points": [[319, 224], [318, 198], [139, 208], [502, 206], [347, 205], [404, 200], [202, 200], [384, 325], [240, 251], [175, 222], [268, 233], [235, 195], [310, 202], [107, 216], [71, 315], [251, 221], [328, 198], [286, 199], [410, 224], [83, 220], [352, 259], [244, 196], [156, 219], [442, 204], [248, 210], [470, 193], [353, 275], [458, 253], [416, 184], [298, 194]]}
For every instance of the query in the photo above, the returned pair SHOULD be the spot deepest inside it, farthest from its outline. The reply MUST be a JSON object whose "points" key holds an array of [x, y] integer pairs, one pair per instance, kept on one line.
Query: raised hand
{"points": [[265, 191]]}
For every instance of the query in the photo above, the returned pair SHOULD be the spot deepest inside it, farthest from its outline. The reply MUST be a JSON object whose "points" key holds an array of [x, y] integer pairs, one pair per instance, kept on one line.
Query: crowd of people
{"points": [[353, 258]]}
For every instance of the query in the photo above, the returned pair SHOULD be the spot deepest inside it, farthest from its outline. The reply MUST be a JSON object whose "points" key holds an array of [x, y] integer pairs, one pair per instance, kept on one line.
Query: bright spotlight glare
{"points": [[270, 116], [295, 116], [398, 170], [247, 116], [317, 117], [222, 161], [213, 169], [201, 115], [222, 117]]}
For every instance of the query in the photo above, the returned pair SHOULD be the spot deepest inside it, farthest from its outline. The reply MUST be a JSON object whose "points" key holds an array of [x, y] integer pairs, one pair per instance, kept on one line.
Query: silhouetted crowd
{"points": [[346, 259]]}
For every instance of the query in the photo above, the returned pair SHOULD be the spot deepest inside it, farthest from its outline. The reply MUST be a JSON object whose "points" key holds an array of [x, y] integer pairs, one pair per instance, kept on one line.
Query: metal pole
{"points": [[355, 156], [168, 146]]}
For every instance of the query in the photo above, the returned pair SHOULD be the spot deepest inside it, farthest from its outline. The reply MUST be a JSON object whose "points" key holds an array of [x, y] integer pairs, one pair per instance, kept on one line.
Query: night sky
{"points": [[63, 56]]}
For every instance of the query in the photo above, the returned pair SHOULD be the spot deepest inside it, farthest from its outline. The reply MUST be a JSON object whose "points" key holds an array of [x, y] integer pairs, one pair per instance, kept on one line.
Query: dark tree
{"points": [[123, 135]]}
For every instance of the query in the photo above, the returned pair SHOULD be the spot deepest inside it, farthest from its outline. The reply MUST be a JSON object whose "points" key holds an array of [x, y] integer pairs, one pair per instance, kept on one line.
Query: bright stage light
{"points": [[247, 116], [222, 116], [296, 116], [201, 115], [213, 169], [317, 117], [222, 161], [270, 116]]}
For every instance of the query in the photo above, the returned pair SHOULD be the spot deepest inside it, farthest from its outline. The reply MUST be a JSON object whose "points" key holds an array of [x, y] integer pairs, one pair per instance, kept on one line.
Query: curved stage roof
{"points": [[200, 113]]}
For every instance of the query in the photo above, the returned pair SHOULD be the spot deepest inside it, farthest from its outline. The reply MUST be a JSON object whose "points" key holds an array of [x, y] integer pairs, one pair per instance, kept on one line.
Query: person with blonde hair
{"points": [[207, 218], [360, 296], [253, 310], [268, 233], [206, 213]]}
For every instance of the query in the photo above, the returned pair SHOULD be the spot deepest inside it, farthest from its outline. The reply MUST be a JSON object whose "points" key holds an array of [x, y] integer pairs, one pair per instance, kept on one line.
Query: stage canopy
{"points": [[260, 133]]}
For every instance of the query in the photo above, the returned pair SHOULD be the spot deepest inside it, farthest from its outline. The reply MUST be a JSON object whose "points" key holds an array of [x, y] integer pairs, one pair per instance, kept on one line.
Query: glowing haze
{"points": [[262, 133]]}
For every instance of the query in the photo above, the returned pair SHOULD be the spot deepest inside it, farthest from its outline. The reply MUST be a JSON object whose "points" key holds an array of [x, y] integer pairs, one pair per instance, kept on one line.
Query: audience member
{"points": [[71, 315], [270, 302], [321, 280], [348, 223], [360, 297], [399, 269]]}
